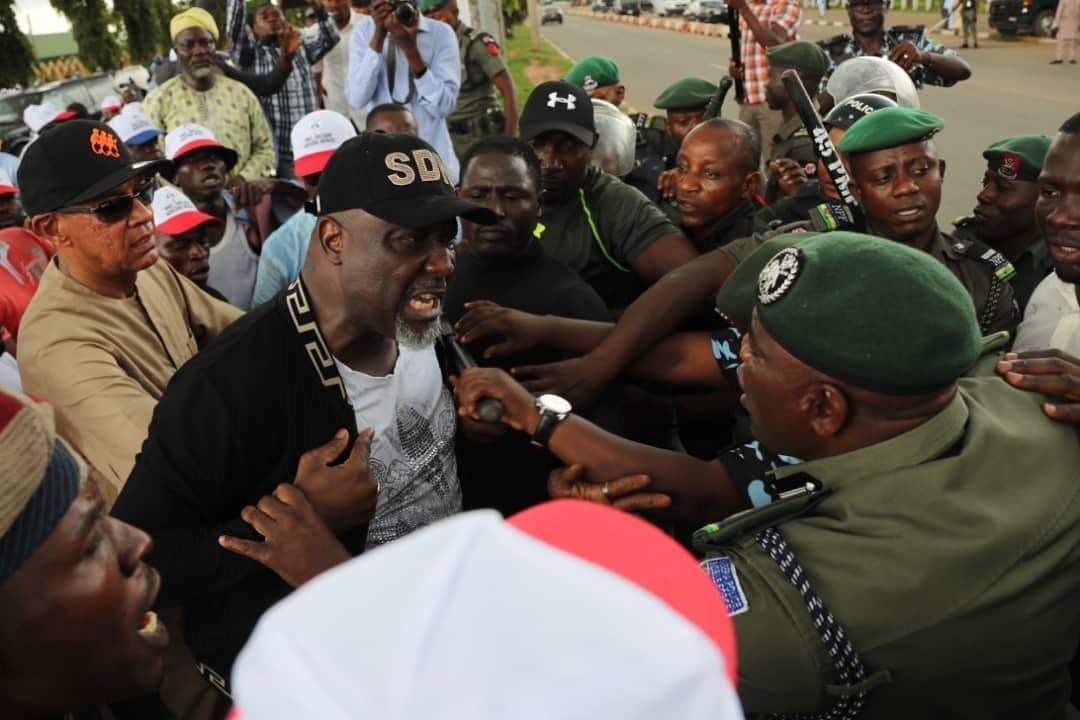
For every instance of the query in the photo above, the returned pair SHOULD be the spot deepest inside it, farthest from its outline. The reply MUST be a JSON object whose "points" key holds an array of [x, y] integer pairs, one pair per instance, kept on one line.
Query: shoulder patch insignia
{"points": [[976, 250], [721, 570], [779, 274], [490, 44], [801, 132]]}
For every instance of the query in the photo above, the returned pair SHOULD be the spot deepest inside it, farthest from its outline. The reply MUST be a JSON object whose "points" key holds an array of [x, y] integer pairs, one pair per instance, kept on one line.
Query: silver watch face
{"points": [[555, 404]]}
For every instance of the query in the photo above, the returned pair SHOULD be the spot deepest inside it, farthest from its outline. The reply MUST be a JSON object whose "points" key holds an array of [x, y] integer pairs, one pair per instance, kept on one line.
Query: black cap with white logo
{"points": [[398, 178], [558, 105], [76, 161]]}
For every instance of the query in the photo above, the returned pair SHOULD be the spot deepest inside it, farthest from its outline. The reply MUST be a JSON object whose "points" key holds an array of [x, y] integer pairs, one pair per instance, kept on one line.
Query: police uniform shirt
{"points": [[846, 46], [1031, 267], [738, 223], [791, 141], [949, 555], [626, 224], [481, 60]]}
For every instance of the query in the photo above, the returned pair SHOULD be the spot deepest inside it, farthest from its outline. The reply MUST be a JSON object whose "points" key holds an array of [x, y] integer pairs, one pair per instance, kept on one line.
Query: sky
{"points": [[39, 15]]}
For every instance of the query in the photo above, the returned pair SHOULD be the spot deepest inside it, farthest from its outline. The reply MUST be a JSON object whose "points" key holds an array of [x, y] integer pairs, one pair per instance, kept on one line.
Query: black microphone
{"points": [[488, 409]]}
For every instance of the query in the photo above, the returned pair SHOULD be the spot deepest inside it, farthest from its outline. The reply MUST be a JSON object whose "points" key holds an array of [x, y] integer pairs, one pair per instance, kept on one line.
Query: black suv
{"points": [[89, 91], [1009, 17]]}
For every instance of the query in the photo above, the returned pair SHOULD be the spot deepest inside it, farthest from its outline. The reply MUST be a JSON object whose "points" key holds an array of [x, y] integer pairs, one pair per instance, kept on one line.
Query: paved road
{"points": [[1012, 89]]}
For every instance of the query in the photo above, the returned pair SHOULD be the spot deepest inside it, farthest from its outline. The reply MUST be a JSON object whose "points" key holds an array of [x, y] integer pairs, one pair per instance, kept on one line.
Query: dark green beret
{"points": [[593, 72], [890, 127], [1018, 158], [690, 93], [427, 6], [805, 56], [869, 312], [736, 298]]}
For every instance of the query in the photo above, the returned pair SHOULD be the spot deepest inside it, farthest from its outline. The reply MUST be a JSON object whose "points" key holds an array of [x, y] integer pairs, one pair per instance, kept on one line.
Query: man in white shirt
{"points": [[1052, 317], [415, 64], [335, 64]]}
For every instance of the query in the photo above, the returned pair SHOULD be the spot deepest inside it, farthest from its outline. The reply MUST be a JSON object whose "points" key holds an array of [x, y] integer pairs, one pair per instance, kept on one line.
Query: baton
{"points": [[488, 409], [712, 110], [823, 146], [735, 35]]}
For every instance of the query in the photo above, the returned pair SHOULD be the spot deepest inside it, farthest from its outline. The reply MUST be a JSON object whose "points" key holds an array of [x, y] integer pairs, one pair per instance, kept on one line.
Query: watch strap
{"points": [[544, 427]]}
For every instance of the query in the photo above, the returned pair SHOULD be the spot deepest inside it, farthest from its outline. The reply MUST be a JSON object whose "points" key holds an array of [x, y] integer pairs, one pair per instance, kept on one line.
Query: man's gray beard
{"points": [[408, 337], [203, 72]]}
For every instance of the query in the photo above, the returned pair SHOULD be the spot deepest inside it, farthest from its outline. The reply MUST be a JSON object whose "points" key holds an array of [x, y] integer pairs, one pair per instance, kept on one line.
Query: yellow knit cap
{"points": [[195, 17]]}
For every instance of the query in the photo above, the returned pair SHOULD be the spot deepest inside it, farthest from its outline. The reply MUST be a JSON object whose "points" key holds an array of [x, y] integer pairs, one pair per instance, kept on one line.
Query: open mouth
{"points": [[912, 213], [1062, 253], [424, 306]]}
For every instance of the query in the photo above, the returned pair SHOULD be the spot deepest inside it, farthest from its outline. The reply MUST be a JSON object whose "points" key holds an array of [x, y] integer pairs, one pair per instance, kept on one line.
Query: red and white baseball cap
{"points": [[175, 214], [134, 127], [38, 116], [111, 103], [190, 137], [316, 137], [570, 610]]}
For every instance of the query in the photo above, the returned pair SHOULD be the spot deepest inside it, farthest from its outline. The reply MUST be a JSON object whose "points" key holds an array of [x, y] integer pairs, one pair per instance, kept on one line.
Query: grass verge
{"points": [[531, 67]]}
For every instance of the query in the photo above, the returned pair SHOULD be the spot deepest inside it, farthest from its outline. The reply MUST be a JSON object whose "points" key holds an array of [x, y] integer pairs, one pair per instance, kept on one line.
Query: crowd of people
{"points": [[742, 432]]}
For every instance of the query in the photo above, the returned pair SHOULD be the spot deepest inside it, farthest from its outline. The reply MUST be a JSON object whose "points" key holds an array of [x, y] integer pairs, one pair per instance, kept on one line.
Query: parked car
{"points": [[551, 15], [89, 91], [601, 7], [630, 7], [707, 11], [667, 8], [1009, 17]]}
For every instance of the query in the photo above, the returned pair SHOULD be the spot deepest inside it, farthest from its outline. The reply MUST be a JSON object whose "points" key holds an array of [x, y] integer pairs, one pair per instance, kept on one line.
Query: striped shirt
{"points": [[785, 13]]}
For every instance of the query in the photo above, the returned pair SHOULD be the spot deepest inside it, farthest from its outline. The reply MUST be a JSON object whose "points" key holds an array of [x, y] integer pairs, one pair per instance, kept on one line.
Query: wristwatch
{"points": [[553, 410]]}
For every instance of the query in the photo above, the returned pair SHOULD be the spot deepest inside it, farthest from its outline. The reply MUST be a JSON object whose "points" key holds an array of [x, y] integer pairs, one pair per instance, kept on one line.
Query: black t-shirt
{"points": [[511, 474]]}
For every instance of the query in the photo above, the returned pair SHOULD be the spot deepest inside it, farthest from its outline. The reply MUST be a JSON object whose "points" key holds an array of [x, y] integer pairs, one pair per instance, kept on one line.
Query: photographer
{"points": [[397, 55]]}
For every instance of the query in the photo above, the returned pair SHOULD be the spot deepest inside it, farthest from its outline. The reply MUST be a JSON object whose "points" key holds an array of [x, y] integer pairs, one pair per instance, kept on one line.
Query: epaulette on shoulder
{"points": [[983, 253], [789, 505], [964, 221], [801, 132], [641, 120]]}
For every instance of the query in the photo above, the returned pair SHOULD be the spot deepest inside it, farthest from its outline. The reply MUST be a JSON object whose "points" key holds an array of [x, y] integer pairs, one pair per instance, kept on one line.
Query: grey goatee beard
{"points": [[410, 338]]}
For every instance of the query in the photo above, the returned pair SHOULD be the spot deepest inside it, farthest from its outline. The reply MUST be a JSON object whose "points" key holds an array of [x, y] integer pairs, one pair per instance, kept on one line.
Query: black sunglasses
{"points": [[115, 209]]}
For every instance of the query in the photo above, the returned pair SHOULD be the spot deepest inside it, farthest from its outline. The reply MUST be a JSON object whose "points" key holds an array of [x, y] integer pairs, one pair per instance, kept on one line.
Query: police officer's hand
{"points": [[1049, 372], [735, 70], [297, 544], [573, 379], [907, 56], [519, 407], [666, 183], [344, 495], [625, 493], [482, 319], [789, 174]]}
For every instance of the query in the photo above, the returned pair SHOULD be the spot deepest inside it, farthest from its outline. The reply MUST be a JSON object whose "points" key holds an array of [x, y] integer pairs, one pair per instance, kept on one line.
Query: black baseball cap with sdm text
{"points": [[77, 161], [558, 105], [398, 178]]}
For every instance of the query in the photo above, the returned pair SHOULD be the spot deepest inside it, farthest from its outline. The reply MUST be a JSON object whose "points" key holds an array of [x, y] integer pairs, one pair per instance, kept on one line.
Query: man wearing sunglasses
{"points": [[109, 324], [908, 46]]}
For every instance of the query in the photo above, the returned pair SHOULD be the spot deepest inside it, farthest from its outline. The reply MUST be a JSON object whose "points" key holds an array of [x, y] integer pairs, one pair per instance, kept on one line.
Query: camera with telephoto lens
{"points": [[405, 12]]}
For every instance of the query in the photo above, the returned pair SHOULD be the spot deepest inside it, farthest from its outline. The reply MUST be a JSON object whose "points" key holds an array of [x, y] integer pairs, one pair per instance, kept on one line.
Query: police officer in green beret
{"points": [[792, 149], [897, 178], [659, 139], [888, 565], [483, 71], [1004, 217], [598, 76]]}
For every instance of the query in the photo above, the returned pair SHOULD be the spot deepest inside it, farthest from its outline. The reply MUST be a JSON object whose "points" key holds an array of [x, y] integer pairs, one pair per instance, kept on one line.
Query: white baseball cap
{"points": [[175, 214], [569, 610], [134, 127], [111, 102], [316, 137], [7, 183], [38, 116], [187, 138], [132, 106]]}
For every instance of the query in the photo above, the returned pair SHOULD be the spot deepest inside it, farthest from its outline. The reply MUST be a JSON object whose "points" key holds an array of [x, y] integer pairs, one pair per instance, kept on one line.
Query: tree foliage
{"points": [[90, 21], [16, 55], [514, 12], [146, 23]]}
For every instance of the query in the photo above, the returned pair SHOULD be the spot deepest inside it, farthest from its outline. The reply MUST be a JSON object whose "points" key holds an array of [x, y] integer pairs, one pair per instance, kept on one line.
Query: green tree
{"points": [[90, 26], [146, 23], [514, 12], [16, 55]]}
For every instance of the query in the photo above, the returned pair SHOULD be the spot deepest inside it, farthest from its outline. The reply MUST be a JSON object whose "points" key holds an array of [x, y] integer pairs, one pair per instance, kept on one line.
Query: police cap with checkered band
{"points": [[558, 106], [94, 161]]}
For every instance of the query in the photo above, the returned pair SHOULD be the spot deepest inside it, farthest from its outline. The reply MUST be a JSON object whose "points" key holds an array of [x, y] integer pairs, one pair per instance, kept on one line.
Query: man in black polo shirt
{"points": [[602, 228], [346, 347]]}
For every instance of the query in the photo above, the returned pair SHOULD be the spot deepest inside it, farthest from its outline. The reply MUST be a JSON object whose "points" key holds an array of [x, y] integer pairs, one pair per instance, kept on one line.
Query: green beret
{"points": [[870, 312], [427, 6], [801, 55], [690, 93], [736, 298], [1018, 158], [593, 72], [890, 127]]}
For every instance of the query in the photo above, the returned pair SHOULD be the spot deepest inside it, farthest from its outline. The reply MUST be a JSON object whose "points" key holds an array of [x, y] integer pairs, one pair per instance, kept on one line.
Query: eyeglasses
{"points": [[203, 43], [115, 209]]}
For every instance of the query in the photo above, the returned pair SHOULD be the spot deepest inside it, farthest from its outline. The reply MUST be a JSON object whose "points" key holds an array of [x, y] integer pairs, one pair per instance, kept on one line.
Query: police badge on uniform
{"points": [[779, 275]]}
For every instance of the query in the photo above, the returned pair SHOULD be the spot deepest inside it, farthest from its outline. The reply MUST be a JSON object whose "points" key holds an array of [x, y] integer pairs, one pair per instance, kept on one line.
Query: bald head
{"points": [[741, 144]]}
